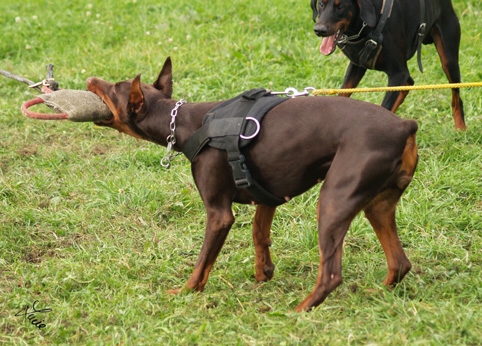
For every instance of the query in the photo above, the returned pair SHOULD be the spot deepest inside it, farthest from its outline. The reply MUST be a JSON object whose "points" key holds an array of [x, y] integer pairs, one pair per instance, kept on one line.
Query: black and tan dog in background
{"points": [[384, 34], [365, 154]]}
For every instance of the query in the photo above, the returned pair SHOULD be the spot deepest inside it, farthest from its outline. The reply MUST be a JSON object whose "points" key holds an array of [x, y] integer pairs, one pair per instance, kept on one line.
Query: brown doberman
{"points": [[360, 26], [365, 154]]}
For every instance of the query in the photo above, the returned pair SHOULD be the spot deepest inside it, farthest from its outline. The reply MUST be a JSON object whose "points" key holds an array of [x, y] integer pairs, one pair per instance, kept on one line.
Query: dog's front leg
{"points": [[353, 76], [394, 99], [219, 222], [261, 238], [213, 178]]}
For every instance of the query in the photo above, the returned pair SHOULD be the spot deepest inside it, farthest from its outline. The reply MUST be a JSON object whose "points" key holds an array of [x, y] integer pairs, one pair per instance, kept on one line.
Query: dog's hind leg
{"points": [[261, 238], [381, 214], [355, 182], [337, 208], [447, 41]]}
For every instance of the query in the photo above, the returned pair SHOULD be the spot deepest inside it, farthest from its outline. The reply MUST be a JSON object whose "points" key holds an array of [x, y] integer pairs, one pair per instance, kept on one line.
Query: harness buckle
{"points": [[371, 42], [421, 29], [241, 174]]}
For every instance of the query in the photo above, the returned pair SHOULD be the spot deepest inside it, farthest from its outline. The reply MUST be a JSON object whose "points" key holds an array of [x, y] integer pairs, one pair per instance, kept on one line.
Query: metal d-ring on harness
{"points": [[255, 133]]}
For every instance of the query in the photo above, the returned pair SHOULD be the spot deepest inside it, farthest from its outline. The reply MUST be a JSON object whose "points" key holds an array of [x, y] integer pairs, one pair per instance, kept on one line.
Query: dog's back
{"points": [[315, 131]]}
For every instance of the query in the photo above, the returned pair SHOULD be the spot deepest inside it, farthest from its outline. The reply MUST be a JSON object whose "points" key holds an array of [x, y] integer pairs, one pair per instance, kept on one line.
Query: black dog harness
{"points": [[231, 126], [364, 52]]}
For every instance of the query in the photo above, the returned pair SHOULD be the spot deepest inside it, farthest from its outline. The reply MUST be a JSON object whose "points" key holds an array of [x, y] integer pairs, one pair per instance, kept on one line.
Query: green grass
{"points": [[92, 227]]}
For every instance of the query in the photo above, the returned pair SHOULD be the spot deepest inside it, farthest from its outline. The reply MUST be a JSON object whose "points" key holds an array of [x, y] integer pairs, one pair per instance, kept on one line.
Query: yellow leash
{"points": [[396, 88]]}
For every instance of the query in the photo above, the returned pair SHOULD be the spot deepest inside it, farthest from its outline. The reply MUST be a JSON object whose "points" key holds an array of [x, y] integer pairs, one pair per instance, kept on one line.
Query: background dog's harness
{"points": [[422, 30], [364, 52], [231, 126]]}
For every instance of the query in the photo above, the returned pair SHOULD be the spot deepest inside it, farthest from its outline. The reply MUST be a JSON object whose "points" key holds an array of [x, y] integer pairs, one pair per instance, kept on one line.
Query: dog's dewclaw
{"points": [[80, 105]]}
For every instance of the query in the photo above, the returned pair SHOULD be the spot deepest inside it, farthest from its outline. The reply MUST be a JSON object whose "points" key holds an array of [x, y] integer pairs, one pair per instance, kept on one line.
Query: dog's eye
{"points": [[340, 8]]}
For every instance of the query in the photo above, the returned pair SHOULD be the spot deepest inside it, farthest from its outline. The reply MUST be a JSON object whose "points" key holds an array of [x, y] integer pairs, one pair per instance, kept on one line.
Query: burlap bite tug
{"points": [[74, 105], [80, 105]]}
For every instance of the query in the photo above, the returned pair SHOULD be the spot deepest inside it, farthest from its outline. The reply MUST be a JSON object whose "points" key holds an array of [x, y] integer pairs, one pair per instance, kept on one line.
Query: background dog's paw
{"points": [[174, 291]]}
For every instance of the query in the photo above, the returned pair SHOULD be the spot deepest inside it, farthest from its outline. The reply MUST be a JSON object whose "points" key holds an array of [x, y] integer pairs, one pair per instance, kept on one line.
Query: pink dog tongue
{"points": [[327, 45]]}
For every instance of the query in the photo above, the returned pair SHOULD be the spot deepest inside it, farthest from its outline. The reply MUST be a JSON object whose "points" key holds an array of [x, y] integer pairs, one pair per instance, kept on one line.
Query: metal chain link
{"points": [[171, 139]]}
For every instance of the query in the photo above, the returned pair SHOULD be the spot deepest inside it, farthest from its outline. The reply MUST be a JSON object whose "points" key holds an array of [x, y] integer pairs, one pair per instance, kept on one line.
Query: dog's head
{"points": [[129, 101], [333, 18]]}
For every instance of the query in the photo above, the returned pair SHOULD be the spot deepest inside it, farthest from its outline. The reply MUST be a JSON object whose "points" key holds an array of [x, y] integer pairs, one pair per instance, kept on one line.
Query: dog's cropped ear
{"points": [[314, 7], [136, 97], [164, 80], [367, 12]]}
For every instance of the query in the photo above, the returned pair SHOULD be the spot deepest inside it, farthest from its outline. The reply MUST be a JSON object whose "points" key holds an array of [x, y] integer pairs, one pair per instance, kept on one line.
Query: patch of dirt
{"points": [[28, 151], [98, 150], [36, 254]]}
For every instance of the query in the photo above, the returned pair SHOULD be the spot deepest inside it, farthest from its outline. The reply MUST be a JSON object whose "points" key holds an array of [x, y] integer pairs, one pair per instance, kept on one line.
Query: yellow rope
{"points": [[396, 88]]}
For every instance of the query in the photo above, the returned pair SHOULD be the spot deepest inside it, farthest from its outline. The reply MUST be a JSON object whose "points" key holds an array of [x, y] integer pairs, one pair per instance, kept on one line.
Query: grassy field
{"points": [[94, 229]]}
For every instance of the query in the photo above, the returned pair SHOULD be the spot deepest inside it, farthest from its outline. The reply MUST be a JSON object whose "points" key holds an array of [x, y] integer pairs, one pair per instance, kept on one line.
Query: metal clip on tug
{"points": [[292, 92], [49, 83]]}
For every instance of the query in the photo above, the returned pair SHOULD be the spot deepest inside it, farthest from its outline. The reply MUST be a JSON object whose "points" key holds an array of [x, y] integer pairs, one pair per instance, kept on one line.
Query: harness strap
{"points": [[217, 128], [421, 34], [373, 44], [228, 126]]}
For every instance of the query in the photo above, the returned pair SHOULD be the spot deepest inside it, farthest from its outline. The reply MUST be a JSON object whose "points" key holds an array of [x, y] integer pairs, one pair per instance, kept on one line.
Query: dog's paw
{"points": [[266, 274], [182, 290], [175, 291]]}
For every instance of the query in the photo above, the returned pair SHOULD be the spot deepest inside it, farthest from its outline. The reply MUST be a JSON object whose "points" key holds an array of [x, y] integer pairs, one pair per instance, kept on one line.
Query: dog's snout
{"points": [[96, 85], [321, 30], [90, 80]]}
